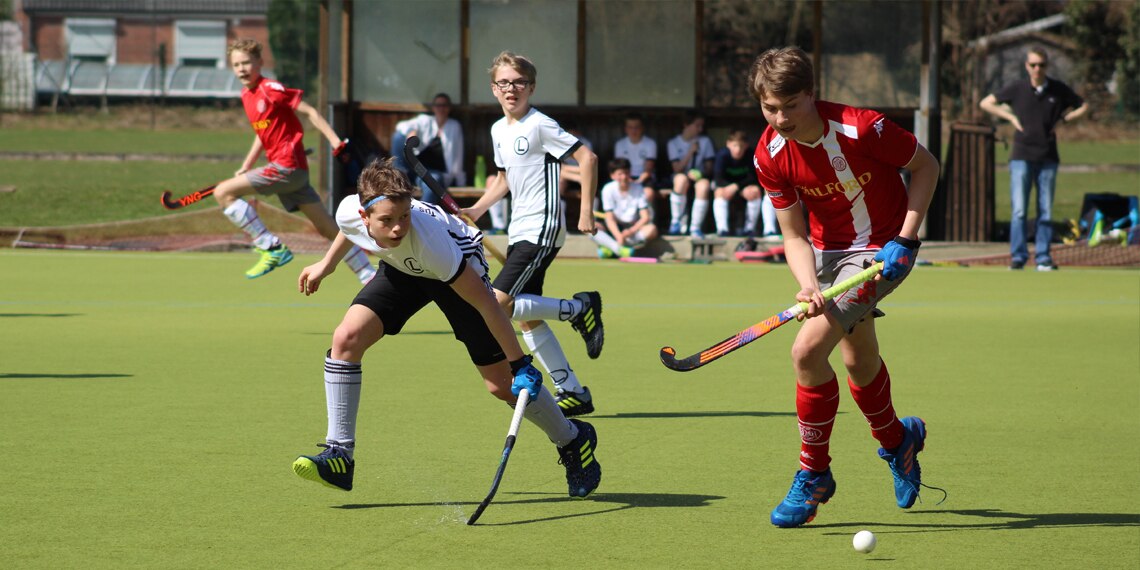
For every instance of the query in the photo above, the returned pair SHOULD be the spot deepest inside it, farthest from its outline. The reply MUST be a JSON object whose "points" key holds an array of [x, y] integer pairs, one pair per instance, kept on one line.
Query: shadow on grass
{"points": [[14, 376], [620, 502], [14, 315], [709, 414], [1012, 521]]}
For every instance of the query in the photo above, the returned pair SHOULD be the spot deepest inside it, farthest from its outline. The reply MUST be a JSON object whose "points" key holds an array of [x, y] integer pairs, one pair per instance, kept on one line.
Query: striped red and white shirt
{"points": [[848, 180], [269, 107]]}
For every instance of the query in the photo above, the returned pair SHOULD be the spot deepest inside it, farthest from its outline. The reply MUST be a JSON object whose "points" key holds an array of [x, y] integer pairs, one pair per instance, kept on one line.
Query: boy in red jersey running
{"points": [[272, 110], [840, 164]]}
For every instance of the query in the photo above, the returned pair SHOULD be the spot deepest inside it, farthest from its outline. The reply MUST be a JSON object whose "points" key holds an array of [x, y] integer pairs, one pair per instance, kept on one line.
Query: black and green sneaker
{"points": [[588, 322], [333, 467], [575, 403], [583, 472]]}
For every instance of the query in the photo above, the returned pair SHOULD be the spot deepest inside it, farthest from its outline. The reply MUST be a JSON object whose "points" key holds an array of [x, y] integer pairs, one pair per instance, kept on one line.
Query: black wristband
{"points": [[907, 243], [521, 363]]}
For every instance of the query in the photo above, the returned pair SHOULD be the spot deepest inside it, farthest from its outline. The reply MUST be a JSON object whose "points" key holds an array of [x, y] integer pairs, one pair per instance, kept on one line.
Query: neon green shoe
{"points": [[270, 259], [332, 467]]}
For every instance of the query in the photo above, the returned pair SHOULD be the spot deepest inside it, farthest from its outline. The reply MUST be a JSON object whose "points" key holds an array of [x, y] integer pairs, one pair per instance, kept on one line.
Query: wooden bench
{"points": [[466, 193]]}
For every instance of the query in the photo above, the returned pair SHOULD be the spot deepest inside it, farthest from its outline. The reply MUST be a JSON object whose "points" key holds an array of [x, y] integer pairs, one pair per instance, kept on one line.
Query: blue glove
{"points": [[526, 376], [898, 256]]}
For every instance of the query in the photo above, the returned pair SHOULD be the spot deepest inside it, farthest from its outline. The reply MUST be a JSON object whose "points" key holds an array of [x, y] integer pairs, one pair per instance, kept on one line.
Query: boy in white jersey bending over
{"points": [[428, 256], [530, 146]]}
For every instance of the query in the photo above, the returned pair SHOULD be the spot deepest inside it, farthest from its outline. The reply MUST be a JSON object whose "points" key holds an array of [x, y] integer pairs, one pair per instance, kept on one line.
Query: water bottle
{"points": [[480, 172]]}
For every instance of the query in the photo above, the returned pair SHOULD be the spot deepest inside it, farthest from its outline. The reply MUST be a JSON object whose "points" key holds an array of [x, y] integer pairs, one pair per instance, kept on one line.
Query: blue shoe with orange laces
{"points": [[809, 490], [903, 461]]}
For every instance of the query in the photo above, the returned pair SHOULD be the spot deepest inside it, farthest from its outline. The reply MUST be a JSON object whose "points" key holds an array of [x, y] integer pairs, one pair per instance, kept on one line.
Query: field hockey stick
{"points": [[171, 203], [669, 354], [445, 197], [512, 434]]}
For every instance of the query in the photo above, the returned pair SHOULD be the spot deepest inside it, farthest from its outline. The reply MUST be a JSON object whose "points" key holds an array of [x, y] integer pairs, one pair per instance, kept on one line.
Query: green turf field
{"points": [[152, 405]]}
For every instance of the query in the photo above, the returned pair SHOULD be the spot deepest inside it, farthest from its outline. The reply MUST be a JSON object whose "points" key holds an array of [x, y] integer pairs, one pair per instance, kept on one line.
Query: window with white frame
{"points": [[200, 43], [90, 39]]}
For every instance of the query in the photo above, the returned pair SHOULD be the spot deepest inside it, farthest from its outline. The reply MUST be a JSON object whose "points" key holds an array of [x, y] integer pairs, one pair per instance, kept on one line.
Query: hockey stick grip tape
{"points": [[842, 287]]}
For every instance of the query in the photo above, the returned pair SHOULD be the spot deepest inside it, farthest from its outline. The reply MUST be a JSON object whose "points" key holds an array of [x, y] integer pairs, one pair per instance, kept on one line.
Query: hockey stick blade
{"points": [[512, 435], [170, 203], [445, 197], [669, 354]]}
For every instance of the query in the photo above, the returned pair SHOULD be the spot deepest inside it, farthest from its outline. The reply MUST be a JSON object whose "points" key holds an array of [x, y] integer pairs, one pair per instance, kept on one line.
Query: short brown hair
{"points": [[782, 72], [244, 45], [619, 163], [1039, 51], [737, 136], [381, 179], [514, 61]]}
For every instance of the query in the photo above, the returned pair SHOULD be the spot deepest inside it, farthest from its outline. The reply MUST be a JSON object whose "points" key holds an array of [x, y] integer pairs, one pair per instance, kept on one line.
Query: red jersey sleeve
{"points": [[278, 94], [894, 145], [779, 188]]}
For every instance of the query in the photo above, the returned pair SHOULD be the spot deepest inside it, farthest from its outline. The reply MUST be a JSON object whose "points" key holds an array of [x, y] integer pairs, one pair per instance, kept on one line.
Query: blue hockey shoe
{"points": [[809, 490], [903, 461]]}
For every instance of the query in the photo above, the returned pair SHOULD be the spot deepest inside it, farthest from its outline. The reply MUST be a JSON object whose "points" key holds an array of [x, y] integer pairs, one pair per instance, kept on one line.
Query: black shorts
{"points": [[525, 269], [395, 296]]}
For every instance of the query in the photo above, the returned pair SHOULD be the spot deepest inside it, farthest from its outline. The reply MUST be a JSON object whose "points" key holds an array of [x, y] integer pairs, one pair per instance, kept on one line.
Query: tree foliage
{"points": [[736, 31], [1096, 27], [963, 23], [1128, 66], [294, 32]]}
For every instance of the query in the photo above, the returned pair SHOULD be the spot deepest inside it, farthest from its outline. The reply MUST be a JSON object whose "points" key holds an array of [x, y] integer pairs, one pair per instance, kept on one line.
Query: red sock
{"points": [[874, 400], [816, 407]]}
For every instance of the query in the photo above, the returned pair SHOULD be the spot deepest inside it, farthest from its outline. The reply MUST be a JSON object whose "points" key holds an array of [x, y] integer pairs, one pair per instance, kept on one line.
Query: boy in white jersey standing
{"points": [[529, 147], [428, 256], [840, 164]]}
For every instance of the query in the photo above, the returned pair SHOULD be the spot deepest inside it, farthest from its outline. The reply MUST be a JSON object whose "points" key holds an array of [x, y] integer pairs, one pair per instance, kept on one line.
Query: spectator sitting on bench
{"points": [[627, 223], [692, 155], [641, 152], [733, 174]]}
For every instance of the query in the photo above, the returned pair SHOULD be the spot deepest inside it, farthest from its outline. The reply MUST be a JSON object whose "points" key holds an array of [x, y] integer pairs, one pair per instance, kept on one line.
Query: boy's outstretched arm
{"points": [[310, 279], [496, 189], [319, 122], [588, 172]]}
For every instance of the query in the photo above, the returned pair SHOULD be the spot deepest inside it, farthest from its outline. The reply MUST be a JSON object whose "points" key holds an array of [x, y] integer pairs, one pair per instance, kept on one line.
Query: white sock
{"points": [[498, 213], [700, 210], [720, 214], [245, 217], [677, 203], [534, 308], [544, 413], [357, 260], [769, 214], [751, 214], [342, 397], [544, 347], [604, 239]]}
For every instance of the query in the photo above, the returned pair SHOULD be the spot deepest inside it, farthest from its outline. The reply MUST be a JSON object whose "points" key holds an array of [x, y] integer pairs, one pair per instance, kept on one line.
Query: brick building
{"points": [[138, 48]]}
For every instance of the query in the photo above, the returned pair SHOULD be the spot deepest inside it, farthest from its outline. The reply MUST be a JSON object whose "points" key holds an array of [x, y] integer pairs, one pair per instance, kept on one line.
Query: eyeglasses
{"points": [[1042, 64], [516, 85]]}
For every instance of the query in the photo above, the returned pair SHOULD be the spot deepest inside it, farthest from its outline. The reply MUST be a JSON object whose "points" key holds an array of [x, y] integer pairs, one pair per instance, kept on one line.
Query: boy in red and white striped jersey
{"points": [[840, 166]]}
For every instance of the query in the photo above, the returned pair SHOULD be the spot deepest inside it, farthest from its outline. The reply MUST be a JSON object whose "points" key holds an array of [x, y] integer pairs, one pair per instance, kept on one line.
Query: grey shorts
{"points": [[850, 308], [291, 185]]}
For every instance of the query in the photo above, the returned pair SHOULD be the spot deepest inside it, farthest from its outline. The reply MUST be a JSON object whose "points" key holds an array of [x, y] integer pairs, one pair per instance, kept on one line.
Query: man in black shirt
{"points": [[1034, 106]]}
